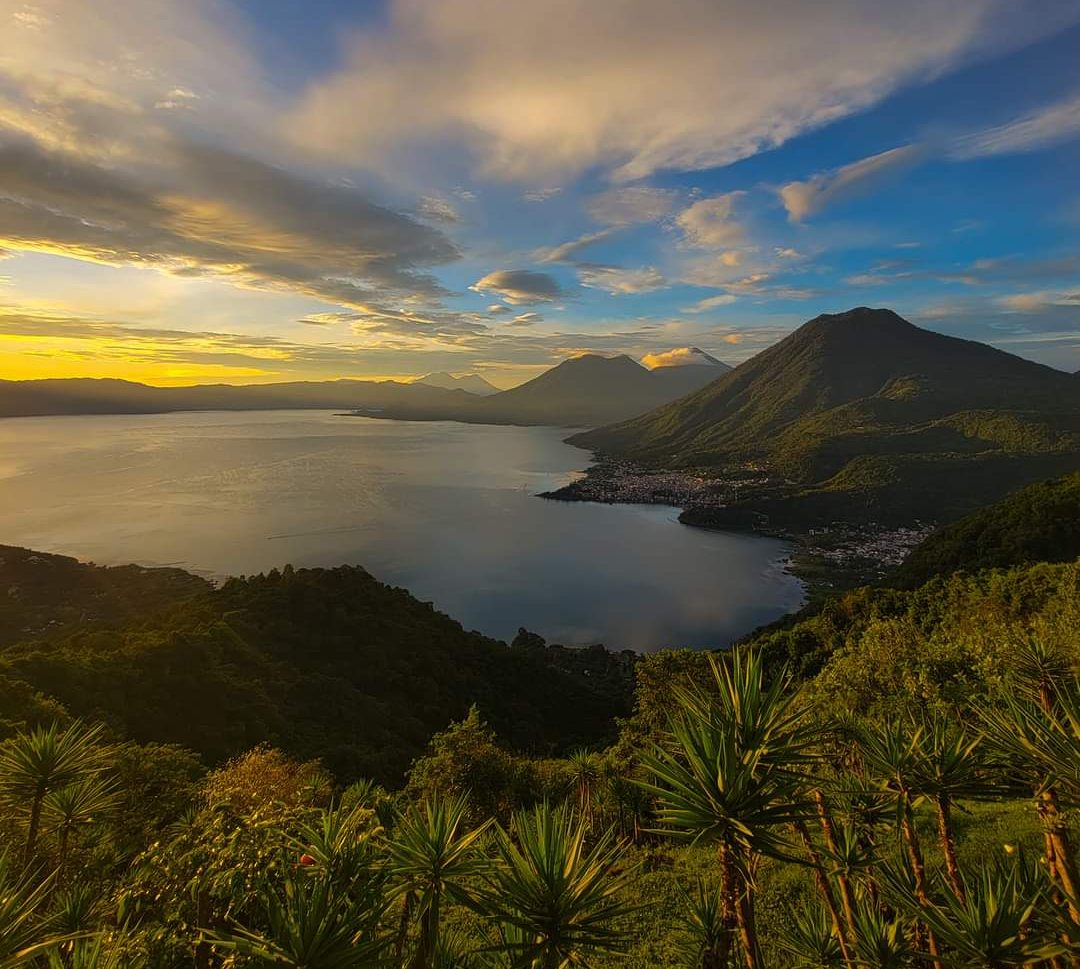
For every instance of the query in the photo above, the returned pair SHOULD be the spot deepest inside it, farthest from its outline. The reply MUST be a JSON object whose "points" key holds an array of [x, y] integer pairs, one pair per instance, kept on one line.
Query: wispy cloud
{"points": [[1043, 128], [616, 279], [711, 303], [636, 87], [567, 251], [630, 205], [808, 198]]}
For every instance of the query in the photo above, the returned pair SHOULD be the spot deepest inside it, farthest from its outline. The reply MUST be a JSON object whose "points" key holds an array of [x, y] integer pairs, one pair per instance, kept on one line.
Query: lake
{"points": [[446, 510]]}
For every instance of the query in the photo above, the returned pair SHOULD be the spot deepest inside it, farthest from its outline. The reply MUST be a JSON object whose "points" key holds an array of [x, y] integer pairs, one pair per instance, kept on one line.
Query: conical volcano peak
{"points": [[860, 318]]}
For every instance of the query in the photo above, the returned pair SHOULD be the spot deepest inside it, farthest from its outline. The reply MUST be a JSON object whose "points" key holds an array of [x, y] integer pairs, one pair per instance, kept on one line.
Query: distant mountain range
{"points": [[581, 392], [588, 390], [866, 404], [26, 398], [471, 383]]}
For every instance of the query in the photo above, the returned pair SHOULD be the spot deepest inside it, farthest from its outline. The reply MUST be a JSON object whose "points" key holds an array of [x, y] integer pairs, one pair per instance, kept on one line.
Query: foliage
{"points": [[320, 663]]}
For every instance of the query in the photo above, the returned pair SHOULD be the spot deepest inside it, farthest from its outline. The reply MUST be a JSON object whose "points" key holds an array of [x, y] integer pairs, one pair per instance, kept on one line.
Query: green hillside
{"points": [[327, 663], [862, 414], [880, 801], [1040, 523]]}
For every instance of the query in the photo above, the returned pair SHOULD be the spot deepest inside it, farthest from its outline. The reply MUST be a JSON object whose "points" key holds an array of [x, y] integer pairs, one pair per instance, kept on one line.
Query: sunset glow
{"points": [[237, 191]]}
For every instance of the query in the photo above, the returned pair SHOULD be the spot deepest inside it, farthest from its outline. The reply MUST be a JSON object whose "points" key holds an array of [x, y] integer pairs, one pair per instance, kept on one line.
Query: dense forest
{"points": [[886, 780]]}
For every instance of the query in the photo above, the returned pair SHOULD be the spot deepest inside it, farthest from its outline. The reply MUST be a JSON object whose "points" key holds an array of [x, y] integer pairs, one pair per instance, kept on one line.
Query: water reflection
{"points": [[445, 510]]}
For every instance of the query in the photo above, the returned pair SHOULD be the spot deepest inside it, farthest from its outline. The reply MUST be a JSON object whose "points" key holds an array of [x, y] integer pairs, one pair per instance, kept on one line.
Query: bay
{"points": [[446, 510]]}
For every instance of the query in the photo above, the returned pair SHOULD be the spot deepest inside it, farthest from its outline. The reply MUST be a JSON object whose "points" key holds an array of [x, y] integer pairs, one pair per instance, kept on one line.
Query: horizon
{"points": [[261, 192]]}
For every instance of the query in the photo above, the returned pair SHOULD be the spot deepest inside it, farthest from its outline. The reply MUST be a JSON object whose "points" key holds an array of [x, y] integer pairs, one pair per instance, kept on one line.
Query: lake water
{"points": [[446, 510]]}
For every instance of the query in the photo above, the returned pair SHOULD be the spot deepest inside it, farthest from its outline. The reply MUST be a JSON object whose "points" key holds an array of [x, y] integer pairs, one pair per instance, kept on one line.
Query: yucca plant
{"points": [[1038, 733], [950, 765], [881, 941], [310, 924], [892, 755], [77, 909], [849, 856], [96, 952], [728, 774], [80, 803], [584, 768], [995, 922], [26, 930], [555, 897], [41, 761], [809, 940], [340, 844], [433, 856], [707, 942]]}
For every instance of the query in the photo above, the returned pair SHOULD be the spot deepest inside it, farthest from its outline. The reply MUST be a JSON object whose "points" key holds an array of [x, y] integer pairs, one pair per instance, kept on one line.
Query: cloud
{"points": [[1048, 126], [519, 286], [1031, 302], [541, 194], [635, 87], [219, 214], [437, 209], [711, 303], [526, 319], [630, 205], [496, 308], [678, 357], [708, 223], [567, 250], [785, 252], [616, 280], [804, 199]]}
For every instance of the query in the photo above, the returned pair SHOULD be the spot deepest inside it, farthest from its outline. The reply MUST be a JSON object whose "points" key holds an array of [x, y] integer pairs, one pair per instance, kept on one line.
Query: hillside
{"points": [[47, 596], [1040, 523], [38, 398], [865, 415], [323, 663]]}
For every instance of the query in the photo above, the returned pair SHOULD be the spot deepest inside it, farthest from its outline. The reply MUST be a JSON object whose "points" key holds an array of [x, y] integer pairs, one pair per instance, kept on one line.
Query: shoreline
{"points": [[826, 558]]}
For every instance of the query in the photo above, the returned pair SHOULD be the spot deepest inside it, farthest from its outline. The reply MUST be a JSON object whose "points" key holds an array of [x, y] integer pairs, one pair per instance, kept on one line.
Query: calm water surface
{"points": [[446, 510]]}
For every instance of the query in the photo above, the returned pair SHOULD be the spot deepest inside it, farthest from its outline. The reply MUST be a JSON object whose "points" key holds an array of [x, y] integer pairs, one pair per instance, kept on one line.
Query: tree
{"points": [[728, 774], [35, 764]]}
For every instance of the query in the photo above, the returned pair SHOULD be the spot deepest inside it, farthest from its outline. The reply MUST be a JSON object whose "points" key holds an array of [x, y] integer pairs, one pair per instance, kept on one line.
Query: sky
{"points": [[196, 191]]}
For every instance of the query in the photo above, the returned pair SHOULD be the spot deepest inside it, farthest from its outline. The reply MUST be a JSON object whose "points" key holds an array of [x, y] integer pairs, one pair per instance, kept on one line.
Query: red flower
{"points": [[306, 860]]}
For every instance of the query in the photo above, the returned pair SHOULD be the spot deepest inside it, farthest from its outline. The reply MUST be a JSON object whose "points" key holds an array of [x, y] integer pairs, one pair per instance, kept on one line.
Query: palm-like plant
{"points": [[34, 764], [96, 952], [340, 844], [433, 855], [949, 765], [26, 931], [993, 923], [810, 941], [881, 941], [312, 925], [729, 775], [892, 755], [555, 898], [1039, 735], [584, 776], [707, 942], [80, 803]]}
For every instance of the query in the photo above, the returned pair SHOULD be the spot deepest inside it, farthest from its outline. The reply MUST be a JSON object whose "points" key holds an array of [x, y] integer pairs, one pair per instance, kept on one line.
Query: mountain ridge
{"points": [[471, 383], [858, 402], [582, 391]]}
